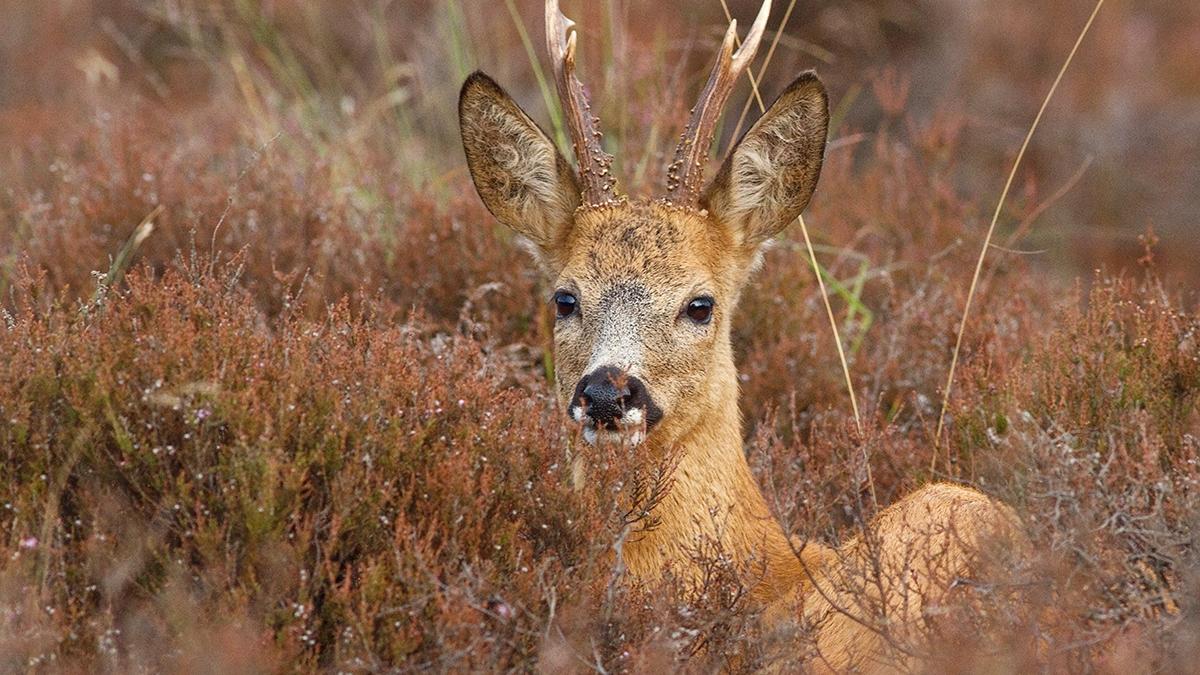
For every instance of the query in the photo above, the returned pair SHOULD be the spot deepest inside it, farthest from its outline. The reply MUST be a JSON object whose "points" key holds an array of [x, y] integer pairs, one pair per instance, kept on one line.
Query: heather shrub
{"points": [[174, 445], [304, 421]]}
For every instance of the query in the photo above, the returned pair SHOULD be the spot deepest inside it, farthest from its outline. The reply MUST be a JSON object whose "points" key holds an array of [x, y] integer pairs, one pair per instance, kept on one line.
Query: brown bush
{"points": [[312, 427]]}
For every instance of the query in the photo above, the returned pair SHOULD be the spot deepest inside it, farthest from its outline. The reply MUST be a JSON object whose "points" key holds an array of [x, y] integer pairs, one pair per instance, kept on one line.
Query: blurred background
{"points": [[1117, 156]]}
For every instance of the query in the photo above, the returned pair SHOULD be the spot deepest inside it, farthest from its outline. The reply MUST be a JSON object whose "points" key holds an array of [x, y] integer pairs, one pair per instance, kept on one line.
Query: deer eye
{"points": [[565, 304], [699, 310]]}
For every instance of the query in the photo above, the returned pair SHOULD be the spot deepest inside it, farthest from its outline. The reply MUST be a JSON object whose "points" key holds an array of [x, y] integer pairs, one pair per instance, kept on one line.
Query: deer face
{"points": [[644, 291], [640, 304]]}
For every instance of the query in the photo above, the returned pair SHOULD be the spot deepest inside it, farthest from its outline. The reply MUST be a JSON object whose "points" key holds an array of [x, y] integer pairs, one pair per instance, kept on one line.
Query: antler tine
{"points": [[686, 171], [595, 166]]}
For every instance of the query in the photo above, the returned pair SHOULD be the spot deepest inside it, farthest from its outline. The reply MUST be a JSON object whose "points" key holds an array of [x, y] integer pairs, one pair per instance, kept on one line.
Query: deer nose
{"points": [[607, 394]]}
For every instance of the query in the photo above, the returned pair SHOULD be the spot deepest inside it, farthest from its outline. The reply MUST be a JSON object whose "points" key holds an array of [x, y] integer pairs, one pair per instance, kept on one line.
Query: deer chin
{"points": [[630, 438], [630, 430]]}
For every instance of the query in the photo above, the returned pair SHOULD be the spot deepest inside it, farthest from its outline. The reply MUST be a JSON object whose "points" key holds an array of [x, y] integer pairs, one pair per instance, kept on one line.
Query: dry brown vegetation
{"points": [[311, 426]]}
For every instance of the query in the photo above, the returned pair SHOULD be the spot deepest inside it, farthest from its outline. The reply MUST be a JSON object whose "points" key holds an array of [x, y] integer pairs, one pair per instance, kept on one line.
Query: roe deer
{"points": [[645, 293]]}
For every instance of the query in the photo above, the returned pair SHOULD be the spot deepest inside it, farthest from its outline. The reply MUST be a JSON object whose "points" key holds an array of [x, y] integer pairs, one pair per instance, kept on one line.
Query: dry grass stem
{"points": [[962, 326]]}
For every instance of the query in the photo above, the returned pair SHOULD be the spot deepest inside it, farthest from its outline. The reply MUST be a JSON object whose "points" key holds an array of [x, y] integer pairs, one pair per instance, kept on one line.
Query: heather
{"points": [[304, 419]]}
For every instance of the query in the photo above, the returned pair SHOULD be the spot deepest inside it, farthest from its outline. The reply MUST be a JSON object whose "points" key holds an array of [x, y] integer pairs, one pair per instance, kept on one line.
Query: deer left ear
{"points": [[770, 176]]}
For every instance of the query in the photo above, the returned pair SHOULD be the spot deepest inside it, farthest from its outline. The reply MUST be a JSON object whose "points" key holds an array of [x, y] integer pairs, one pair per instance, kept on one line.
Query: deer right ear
{"points": [[520, 175]]}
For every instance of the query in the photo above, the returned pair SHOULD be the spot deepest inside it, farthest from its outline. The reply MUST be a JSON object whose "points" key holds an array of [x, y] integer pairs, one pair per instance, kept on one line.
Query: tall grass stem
{"points": [[737, 128], [552, 105], [812, 256], [837, 340], [937, 440]]}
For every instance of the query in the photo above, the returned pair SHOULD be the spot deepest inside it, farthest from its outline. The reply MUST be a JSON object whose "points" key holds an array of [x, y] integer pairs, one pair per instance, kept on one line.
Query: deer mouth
{"points": [[612, 404], [630, 427], [631, 439]]}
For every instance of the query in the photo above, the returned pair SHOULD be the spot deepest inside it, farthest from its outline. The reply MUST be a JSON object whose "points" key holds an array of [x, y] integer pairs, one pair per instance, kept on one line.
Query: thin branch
{"points": [[1023, 228], [1017, 251]]}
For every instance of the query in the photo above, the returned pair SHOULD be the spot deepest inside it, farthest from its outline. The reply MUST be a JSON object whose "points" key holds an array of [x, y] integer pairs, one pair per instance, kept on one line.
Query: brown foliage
{"points": [[312, 427]]}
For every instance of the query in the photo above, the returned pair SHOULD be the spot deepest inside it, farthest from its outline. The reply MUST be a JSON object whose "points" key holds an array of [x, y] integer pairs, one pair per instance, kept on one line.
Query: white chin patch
{"points": [[632, 417], [630, 438]]}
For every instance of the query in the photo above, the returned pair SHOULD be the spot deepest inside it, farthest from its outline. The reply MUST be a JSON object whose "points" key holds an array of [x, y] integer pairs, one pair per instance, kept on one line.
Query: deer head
{"points": [[644, 290]]}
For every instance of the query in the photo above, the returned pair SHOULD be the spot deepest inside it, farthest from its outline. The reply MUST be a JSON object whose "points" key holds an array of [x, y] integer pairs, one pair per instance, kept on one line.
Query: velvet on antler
{"points": [[685, 173], [597, 182]]}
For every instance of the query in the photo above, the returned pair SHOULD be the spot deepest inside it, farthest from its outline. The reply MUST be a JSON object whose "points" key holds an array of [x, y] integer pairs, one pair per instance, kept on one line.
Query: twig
{"points": [[1017, 251], [237, 182], [1061, 192]]}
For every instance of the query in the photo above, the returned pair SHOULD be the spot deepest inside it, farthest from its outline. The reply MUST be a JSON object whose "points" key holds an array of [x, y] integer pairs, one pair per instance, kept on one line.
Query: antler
{"points": [[686, 171], [595, 166]]}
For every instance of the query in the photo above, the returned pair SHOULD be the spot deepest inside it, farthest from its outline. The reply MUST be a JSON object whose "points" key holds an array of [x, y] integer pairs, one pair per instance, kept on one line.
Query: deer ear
{"points": [[520, 175], [769, 177]]}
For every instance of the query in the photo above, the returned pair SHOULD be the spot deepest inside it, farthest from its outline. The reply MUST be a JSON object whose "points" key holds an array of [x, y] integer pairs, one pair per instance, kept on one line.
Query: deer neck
{"points": [[714, 506]]}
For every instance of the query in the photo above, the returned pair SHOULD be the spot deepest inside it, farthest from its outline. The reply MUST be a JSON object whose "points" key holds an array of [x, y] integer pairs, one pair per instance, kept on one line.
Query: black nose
{"points": [[607, 393]]}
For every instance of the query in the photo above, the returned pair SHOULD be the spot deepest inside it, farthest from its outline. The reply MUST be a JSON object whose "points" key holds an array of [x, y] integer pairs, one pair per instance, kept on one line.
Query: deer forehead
{"points": [[664, 250]]}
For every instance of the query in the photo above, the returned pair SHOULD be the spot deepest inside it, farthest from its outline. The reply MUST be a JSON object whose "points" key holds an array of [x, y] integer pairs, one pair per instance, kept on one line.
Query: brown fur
{"points": [[634, 266]]}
